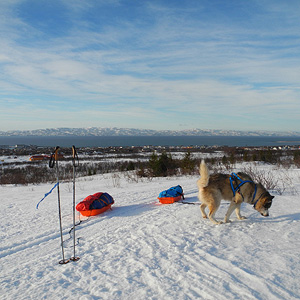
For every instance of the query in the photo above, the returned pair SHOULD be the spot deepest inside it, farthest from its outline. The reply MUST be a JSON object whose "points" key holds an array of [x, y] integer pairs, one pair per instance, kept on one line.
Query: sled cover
{"points": [[95, 201], [174, 191]]}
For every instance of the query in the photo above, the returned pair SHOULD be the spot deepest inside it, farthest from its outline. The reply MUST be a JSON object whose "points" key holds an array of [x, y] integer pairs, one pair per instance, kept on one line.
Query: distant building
{"points": [[39, 157], [21, 146]]}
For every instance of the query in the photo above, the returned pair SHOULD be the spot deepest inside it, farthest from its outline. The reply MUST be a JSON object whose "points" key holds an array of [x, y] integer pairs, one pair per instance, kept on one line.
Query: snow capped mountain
{"points": [[114, 131]]}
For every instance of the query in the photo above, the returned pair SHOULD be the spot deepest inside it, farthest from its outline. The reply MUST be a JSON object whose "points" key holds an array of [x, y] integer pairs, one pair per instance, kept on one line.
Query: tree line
{"points": [[158, 165]]}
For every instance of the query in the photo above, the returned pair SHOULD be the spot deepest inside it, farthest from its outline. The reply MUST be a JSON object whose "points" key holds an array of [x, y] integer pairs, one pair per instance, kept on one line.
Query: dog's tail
{"points": [[204, 174]]}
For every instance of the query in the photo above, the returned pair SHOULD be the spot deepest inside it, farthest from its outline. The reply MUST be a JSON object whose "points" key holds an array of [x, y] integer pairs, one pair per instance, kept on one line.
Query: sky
{"points": [[152, 64]]}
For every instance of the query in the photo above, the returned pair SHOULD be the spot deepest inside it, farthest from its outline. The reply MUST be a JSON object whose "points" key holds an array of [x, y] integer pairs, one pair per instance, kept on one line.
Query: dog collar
{"points": [[255, 190], [264, 193]]}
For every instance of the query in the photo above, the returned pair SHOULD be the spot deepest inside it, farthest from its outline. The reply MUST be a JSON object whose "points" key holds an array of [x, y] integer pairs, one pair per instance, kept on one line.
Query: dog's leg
{"points": [[211, 215], [238, 212], [202, 208], [231, 208], [238, 198]]}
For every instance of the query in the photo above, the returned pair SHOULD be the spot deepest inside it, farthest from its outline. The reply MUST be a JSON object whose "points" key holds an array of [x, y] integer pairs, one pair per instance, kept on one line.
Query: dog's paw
{"points": [[218, 222], [227, 221], [242, 218]]}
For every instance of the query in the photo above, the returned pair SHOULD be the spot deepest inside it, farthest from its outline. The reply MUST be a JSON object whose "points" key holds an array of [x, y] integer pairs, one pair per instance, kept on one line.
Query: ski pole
{"points": [[75, 162], [54, 161]]}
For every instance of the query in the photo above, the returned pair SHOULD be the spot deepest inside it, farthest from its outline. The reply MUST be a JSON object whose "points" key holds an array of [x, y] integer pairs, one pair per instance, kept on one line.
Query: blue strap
{"points": [[233, 177], [47, 194], [254, 197], [231, 184]]}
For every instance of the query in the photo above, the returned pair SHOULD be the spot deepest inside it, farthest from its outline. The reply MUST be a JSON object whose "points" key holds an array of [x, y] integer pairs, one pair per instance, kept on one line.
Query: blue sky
{"points": [[208, 64]]}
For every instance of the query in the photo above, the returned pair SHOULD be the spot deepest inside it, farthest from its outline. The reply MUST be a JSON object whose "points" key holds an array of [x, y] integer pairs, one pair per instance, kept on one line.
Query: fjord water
{"points": [[124, 141]]}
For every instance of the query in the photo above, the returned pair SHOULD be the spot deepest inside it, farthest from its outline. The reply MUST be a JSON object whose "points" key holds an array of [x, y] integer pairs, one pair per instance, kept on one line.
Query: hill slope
{"points": [[143, 250]]}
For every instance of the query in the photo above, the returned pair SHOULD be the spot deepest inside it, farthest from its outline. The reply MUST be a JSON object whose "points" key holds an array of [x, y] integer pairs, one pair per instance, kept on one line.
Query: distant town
{"points": [[23, 149]]}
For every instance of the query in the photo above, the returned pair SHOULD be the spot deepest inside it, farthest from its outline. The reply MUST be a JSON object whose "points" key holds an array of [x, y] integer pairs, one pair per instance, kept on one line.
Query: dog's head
{"points": [[263, 203]]}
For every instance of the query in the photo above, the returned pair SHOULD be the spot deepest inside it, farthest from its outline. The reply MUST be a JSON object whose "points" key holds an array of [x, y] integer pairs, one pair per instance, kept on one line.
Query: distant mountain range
{"points": [[100, 131]]}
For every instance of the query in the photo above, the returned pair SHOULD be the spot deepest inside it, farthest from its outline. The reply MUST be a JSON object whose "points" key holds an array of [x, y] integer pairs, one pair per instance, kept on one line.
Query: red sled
{"points": [[95, 204], [169, 200], [94, 212]]}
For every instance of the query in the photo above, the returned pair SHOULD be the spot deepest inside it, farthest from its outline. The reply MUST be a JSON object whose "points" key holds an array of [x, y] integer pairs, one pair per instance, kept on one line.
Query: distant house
{"points": [[39, 157], [43, 157], [21, 146]]}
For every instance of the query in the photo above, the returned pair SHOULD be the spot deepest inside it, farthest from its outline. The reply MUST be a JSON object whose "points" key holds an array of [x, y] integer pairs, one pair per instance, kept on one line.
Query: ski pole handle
{"points": [[53, 157], [75, 159]]}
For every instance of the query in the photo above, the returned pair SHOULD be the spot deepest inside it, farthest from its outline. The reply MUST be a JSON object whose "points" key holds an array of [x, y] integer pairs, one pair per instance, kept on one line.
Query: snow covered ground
{"points": [[144, 250]]}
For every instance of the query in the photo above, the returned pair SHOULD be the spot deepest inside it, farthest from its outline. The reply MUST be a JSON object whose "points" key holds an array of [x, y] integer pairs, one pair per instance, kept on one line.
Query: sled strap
{"points": [[191, 203]]}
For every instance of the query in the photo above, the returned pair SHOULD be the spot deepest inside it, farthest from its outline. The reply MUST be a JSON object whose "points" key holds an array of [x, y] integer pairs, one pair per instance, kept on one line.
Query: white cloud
{"points": [[178, 65]]}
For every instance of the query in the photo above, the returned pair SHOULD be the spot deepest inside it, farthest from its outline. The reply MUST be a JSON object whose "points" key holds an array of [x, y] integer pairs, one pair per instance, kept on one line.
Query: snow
{"points": [[142, 249], [14, 159]]}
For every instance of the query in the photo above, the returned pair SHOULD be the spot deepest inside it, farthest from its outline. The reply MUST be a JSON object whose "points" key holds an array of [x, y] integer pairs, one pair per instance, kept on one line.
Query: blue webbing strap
{"points": [[47, 194], [233, 177]]}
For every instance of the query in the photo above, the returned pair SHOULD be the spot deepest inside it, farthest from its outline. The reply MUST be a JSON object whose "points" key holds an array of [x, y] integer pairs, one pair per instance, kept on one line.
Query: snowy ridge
{"points": [[143, 250], [100, 131]]}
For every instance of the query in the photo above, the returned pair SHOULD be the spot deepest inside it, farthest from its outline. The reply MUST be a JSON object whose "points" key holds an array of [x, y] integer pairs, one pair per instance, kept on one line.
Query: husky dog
{"points": [[236, 188]]}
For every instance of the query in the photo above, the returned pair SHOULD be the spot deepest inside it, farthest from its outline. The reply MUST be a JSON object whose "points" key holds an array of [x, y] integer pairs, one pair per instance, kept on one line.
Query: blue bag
{"points": [[101, 200], [174, 191]]}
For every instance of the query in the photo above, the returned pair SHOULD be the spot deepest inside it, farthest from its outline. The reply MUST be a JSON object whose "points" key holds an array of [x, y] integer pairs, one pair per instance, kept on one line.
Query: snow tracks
{"points": [[143, 250]]}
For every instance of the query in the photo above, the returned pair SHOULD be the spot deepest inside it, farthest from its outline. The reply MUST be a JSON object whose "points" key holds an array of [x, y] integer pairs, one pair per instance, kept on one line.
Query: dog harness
{"points": [[233, 178]]}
